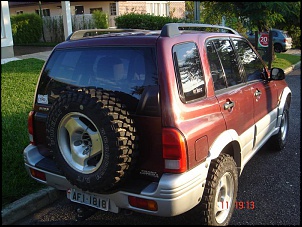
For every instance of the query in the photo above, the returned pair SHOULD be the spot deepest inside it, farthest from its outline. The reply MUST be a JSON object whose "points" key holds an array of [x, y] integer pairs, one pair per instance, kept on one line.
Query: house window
{"points": [[93, 9], [157, 9], [45, 12], [113, 9], [79, 9], [19, 12]]}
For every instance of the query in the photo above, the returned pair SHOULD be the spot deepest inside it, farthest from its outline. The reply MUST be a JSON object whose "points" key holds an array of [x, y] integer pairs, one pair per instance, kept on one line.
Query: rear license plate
{"points": [[88, 199]]}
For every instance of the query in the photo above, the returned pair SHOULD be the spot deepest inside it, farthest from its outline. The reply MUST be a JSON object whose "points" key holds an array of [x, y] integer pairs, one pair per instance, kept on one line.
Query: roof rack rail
{"points": [[93, 32], [172, 29]]}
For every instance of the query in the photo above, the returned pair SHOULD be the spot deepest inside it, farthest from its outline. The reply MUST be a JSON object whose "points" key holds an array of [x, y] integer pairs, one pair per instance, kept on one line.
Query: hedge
{"points": [[26, 28], [143, 21]]}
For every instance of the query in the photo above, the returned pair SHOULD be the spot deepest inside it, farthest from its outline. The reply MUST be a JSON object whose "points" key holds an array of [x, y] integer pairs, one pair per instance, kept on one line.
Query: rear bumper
{"points": [[287, 46], [174, 193]]}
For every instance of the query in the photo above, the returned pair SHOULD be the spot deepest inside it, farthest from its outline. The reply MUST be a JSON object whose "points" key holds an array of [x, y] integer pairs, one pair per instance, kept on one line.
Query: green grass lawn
{"points": [[284, 60], [18, 82]]}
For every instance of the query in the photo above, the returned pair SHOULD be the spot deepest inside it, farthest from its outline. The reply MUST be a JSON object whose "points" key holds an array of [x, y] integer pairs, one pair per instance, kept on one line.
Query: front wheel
{"points": [[278, 141], [220, 192]]}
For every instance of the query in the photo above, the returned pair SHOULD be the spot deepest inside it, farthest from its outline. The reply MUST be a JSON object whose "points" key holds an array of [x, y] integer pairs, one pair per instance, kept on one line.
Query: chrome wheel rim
{"points": [[284, 125], [80, 142], [224, 197]]}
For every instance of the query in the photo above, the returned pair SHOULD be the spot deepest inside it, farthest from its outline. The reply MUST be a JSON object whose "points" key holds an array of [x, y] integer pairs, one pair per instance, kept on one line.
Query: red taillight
{"points": [[37, 174], [30, 125], [174, 151], [145, 204]]}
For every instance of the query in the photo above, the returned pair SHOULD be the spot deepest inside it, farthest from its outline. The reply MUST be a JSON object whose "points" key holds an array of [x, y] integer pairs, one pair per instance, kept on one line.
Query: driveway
{"points": [[293, 52]]}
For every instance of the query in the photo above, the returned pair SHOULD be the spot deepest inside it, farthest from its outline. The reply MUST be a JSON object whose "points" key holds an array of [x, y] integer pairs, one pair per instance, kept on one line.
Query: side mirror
{"points": [[277, 74]]}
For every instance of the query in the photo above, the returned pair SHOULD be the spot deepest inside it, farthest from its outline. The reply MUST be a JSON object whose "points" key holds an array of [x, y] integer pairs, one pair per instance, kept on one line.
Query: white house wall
{"points": [[56, 8], [7, 50], [176, 8], [157, 8]]}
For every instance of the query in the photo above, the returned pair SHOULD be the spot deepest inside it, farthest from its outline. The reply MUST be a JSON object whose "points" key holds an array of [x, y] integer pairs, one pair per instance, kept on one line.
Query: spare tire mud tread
{"points": [[117, 132]]}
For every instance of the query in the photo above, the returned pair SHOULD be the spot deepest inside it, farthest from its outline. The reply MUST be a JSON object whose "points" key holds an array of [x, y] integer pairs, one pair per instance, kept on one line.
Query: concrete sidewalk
{"points": [[31, 203], [40, 55]]}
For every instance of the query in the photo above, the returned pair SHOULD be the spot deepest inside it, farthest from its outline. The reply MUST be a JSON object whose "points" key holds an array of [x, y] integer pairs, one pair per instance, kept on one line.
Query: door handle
{"points": [[228, 105], [257, 93]]}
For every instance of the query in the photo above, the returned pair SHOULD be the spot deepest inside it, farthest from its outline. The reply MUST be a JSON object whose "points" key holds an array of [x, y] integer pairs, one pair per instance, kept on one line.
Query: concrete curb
{"points": [[293, 67], [28, 205]]}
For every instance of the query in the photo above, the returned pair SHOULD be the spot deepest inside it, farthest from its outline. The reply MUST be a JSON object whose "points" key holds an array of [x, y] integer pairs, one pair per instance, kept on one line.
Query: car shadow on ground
{"points": [[23, 50]]}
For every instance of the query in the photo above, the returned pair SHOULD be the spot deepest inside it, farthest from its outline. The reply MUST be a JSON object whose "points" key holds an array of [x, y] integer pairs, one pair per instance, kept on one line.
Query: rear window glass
{"points": [[124, 69], [285, 34], [189, 71]]}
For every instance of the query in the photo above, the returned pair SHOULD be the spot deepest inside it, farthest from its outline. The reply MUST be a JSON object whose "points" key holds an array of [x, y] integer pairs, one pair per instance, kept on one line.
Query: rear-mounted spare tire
{"points": [[93, 139]]}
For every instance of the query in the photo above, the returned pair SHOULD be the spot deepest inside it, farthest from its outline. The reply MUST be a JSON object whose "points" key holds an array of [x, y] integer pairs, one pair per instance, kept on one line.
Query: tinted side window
{"points": [[275, 34], [252, 64], [229, 61], [215, 67], [189, 72]]}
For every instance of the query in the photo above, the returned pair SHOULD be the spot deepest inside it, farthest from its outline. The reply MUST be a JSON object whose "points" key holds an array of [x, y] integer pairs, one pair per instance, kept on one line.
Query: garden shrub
{"points": [[295, 33], [26, 28], [143, 21], [100, 19]]}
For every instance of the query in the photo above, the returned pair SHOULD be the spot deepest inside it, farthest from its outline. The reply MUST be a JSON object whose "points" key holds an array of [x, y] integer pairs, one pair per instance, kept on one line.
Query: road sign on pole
{"points": [[263, 40]]}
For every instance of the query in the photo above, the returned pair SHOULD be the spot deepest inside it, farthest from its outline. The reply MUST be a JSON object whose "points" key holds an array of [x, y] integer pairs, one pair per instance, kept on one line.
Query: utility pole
{"points": [[41, 15], [223, 21], [197, 11], [270, 49], [66, 18]]}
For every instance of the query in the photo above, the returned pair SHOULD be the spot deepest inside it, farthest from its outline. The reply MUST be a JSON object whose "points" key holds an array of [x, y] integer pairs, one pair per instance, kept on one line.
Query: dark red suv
{"points": [[156, 122]]}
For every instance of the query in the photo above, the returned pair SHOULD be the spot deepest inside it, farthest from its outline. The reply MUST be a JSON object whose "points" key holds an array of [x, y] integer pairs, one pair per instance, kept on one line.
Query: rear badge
{"points": [[45, 109], [149, 173]]}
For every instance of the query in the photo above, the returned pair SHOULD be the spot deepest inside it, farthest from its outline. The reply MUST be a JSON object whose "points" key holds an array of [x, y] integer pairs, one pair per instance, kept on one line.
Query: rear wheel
{"points": [[220, 192], [278, 48]]}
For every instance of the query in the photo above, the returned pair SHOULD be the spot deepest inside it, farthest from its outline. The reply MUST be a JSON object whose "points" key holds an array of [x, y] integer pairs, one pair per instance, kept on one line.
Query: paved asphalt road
{"points": [[270, 182]]}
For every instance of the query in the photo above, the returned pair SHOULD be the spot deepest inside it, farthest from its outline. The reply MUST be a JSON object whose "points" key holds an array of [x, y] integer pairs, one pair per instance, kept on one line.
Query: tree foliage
{"points": [[100, 19], [261, 15], [291, 23], [189, 10], [242, 16]]}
